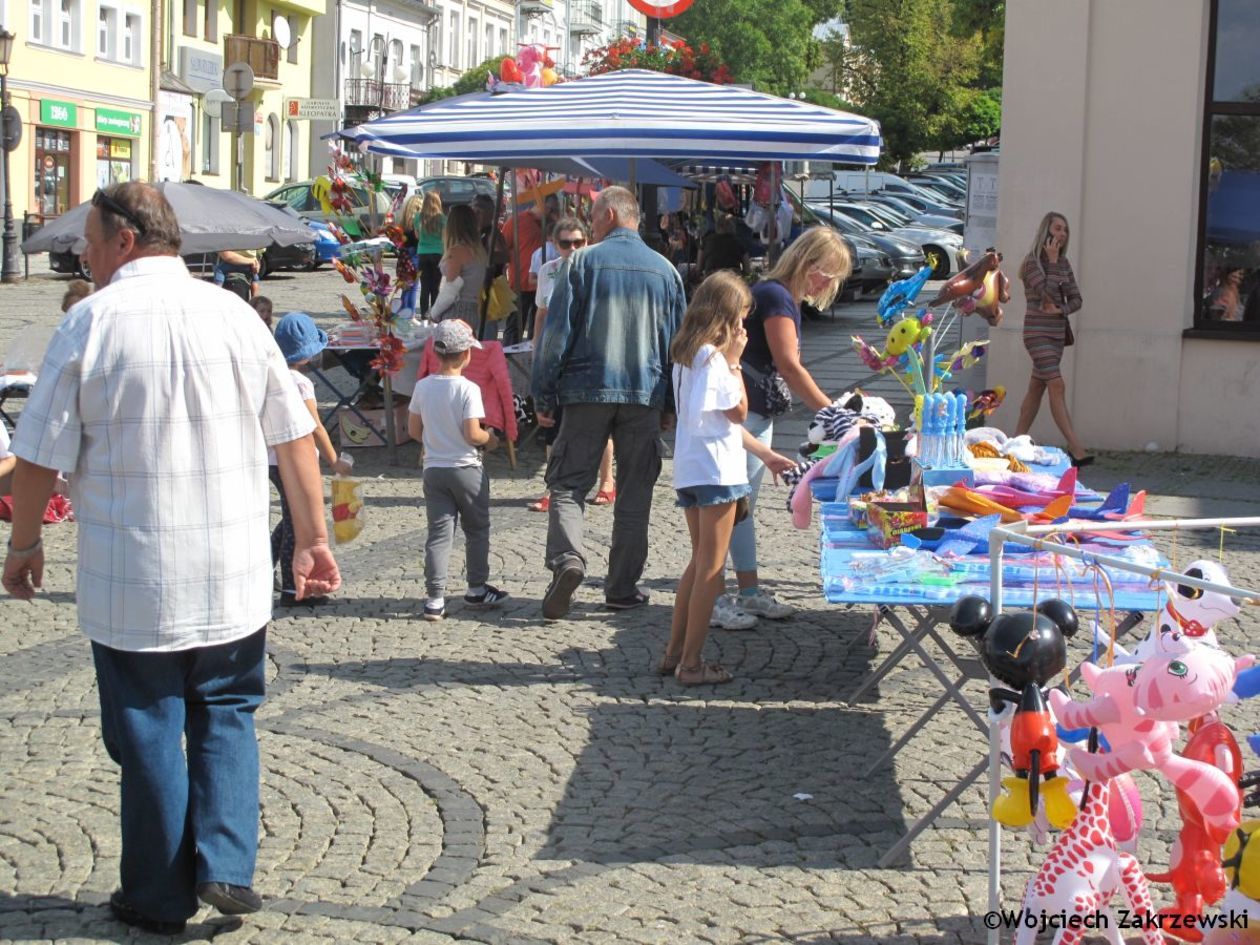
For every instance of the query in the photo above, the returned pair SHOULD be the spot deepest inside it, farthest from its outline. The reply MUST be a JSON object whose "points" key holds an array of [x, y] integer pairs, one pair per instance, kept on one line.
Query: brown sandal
{"points": [[706, 674], [667, 666]]}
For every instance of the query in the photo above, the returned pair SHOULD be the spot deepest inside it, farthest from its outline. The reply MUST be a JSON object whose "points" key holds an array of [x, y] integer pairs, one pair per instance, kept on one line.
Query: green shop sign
{"points": [[112, 122], [61, 114]]}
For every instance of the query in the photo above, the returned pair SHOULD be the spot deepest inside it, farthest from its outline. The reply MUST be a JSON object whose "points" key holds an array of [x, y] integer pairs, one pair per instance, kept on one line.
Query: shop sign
{"points": [[316, 109], [201, 70], [59, 114], [120, 150], [110, 121]]}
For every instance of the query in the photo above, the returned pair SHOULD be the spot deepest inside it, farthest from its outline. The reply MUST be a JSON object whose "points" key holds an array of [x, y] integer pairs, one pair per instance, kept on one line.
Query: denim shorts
{"points": [[689, 497]]}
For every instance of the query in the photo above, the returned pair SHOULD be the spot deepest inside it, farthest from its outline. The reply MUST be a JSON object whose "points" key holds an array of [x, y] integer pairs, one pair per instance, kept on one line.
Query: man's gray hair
{"points": [[146, 213], [621, 202]]}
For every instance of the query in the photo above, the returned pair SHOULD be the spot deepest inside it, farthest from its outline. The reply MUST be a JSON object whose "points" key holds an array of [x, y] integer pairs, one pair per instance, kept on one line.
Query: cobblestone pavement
{"points": [[494, 779]]}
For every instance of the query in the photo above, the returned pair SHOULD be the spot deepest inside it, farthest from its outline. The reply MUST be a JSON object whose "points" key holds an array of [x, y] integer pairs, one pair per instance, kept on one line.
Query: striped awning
{"points": [[631, 114]]}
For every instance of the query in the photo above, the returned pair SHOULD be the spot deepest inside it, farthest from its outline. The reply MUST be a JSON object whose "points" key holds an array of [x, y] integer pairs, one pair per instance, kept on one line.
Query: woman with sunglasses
{"points": [[812, 268], [568, 234]]}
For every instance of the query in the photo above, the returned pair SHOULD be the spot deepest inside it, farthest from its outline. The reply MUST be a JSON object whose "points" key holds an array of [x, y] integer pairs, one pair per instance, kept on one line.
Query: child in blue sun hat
{"points": [[299, 340]]}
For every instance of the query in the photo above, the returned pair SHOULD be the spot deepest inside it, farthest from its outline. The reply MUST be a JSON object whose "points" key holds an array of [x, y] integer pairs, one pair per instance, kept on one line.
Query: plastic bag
{"points": [[348, 512], [502, 300]]}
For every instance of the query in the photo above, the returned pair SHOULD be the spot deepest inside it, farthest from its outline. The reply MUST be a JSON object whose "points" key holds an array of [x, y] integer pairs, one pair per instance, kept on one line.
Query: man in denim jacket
{"points": [[605, 358]]}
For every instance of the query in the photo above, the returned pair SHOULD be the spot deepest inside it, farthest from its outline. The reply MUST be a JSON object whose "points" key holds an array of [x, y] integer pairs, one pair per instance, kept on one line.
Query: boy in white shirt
{"points": [[445, 415]]}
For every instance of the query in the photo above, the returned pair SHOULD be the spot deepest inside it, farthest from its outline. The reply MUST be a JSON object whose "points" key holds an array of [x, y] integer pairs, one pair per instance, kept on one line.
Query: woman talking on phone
{"points": [[1052, 295]]}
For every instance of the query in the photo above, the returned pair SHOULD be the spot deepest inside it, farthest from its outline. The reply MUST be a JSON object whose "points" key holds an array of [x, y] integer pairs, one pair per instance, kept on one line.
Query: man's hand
{"points": [[667, 422], [24, 573], [544, 418], [492, 443], [315, 571]]}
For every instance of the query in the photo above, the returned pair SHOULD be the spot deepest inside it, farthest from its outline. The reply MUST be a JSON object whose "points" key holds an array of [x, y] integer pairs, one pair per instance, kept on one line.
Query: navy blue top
{"points": [[770, 300]]}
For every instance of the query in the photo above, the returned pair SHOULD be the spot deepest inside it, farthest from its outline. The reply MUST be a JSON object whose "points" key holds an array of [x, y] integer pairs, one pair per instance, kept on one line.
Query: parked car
{"points": [[458, 190], [942, 249], [907, 257], [300, 198], [942, 186], [907, 203]]}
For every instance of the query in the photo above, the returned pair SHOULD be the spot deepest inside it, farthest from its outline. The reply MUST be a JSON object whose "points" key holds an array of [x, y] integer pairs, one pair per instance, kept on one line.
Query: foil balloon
{"points": [[901, 294], [549, 77], [982, 285], [509, 71], [903, 335]]}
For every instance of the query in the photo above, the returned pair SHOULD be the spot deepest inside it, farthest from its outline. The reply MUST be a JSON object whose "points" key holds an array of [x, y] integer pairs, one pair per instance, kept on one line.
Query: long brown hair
{"points": [[431, 216], [821, 248], [461, 230], [714, 316]]}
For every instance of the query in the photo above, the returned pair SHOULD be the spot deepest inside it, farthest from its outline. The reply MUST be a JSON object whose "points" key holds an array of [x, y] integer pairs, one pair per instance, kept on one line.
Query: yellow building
{"points": [[201, 38], [81, 78]]}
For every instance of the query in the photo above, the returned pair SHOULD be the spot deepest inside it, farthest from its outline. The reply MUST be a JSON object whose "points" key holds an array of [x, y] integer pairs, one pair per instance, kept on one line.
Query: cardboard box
{"points": [[353, 434], [888, 521]]}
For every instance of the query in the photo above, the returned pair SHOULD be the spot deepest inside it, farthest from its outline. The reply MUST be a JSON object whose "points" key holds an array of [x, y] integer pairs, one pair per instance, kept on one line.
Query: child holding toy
{"points": [[710, 463], [299, 340], [445, 416]]}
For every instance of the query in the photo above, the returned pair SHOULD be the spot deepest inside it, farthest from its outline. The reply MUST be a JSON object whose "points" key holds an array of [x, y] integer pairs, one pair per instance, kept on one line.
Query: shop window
{"points": [[209, 144], [1228, 277], [113, 161], [52, 181]]}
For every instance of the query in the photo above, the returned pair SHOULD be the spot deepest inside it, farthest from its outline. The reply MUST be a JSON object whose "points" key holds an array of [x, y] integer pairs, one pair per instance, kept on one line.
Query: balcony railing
{"points": [[384, 96], [586, 18], [262, 55]]}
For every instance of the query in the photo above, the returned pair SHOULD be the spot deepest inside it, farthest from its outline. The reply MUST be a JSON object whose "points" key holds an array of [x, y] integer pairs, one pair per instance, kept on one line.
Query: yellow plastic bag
{"points": [[502, 300], [347, 509]]}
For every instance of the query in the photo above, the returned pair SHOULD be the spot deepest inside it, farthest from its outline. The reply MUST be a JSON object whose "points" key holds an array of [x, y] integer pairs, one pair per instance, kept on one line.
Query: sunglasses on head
{"points": [[572, 244], [103, 201]]}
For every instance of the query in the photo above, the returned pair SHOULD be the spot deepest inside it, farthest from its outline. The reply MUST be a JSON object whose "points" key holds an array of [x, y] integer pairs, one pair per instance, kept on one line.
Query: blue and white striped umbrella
{"points": [[632, 113]]}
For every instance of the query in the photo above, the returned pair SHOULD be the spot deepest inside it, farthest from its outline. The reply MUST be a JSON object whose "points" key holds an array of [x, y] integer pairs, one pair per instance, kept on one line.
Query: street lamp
{"points": [[9, 263]]}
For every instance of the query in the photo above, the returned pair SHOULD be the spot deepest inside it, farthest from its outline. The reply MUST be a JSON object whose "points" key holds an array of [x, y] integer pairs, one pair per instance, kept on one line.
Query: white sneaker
{"points": [[728, 616], [763, 605]]}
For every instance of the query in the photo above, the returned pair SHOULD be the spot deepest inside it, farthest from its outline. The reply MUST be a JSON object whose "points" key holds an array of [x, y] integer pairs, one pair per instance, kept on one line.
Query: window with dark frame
{"points": [[1227, 278]]}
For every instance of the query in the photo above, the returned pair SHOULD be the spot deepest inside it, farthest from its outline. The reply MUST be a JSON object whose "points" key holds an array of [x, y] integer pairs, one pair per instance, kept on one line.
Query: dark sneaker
{"points": [[128, 914], [230, 900], [434, 611], [567, 578], [291, 600], [488, 597]]}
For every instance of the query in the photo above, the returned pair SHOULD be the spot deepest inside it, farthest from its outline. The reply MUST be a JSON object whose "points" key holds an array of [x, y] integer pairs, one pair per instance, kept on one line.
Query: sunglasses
{"points": [[103, 201], [572, 244]]}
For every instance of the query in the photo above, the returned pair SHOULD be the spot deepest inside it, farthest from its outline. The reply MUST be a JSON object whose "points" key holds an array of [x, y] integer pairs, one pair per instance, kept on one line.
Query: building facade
{"points": [[81, 77], [200, 39], [1139, 120]]}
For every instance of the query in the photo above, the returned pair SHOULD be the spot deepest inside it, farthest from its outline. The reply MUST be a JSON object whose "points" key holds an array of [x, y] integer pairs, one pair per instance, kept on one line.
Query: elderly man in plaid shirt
{"points": [[162, 394]]}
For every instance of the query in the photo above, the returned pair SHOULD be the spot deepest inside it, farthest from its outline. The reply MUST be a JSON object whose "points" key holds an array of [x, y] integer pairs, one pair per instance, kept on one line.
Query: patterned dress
{"points": [[1044, 332]]}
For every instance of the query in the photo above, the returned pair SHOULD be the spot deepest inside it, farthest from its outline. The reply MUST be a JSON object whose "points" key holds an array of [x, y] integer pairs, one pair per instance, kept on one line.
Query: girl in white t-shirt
{"points": [[710, 465]]}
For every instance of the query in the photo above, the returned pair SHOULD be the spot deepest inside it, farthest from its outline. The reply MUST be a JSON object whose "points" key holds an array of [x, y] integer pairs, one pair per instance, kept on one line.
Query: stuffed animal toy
{"points": [[1139, 710], [1024, 651], [833, 421]]}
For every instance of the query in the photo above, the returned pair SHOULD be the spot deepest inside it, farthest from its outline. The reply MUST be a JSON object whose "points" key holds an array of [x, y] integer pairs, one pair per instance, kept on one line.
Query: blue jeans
{"points": [[185, 820], [690, 497], [744, 537]]}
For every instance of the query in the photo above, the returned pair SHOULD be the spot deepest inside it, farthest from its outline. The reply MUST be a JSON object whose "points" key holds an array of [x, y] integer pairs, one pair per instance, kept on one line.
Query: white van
{"points": [[857, 181]]}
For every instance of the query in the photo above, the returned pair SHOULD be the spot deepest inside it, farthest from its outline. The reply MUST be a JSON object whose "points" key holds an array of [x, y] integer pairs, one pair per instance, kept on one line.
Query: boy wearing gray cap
{"points": [[445, 415]]}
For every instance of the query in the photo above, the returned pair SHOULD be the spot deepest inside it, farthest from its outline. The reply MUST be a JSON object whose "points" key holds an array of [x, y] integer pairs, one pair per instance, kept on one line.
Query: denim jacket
{"points": [[614, 310]]}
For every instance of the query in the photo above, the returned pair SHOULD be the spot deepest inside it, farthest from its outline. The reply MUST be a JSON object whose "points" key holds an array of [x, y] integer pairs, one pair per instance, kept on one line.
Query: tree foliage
{"points": [[766, 45], [920, 67]]}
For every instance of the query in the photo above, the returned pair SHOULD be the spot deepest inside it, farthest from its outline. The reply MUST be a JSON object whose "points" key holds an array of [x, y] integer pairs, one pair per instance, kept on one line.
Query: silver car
{"points": [[943, 249]]}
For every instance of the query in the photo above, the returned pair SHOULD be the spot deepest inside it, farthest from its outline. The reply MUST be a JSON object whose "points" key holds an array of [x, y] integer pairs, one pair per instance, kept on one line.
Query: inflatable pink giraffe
{"points": [[1081, 874], [1139, 709]]}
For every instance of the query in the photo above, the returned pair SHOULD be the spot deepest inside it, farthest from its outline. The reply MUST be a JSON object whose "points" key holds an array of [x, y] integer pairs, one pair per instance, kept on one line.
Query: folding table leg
{"points": [[898, 848], [909, 733], [944, 680], [893, 658]]}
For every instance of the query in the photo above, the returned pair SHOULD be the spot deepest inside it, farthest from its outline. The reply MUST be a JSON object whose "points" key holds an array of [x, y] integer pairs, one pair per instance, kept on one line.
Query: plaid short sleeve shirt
{"points": [[161, 393]]}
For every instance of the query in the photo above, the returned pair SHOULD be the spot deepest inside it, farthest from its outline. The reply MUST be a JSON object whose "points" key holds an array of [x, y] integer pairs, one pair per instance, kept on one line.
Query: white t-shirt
{"points": [[306, 390], [538, 259], [5, 453], [547, 275], [708, 448], [443, 403]]}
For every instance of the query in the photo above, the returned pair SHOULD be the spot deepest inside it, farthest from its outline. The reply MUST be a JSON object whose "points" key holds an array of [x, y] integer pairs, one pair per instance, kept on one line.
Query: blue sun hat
{"points": [[299, 338]]}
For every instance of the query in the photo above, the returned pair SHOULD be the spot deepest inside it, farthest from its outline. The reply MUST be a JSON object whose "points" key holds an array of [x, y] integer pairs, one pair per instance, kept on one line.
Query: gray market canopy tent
{"points": [[628, 114], [210, 220]]}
